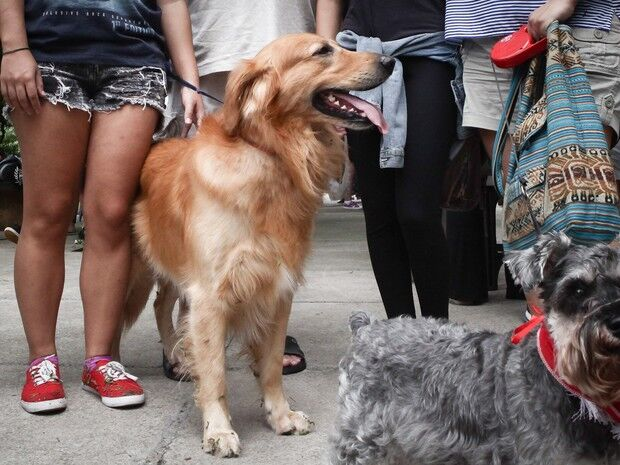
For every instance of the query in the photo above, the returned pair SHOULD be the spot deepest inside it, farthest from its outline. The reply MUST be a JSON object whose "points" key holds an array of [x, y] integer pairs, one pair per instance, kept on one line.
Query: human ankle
{"points": [[38, 359], [91, 362]]}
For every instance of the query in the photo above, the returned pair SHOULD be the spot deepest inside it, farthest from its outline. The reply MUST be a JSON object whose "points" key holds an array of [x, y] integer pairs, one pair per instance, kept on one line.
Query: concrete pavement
{"points": [[167, 430]]}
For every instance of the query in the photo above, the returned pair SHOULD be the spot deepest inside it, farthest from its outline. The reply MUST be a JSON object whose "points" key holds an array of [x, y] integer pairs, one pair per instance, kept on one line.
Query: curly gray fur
{"points": [[429, 392]]}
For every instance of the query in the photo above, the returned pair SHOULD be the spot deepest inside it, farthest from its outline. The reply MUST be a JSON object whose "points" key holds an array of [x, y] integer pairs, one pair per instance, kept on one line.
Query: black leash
{"points": [[189, 85]]}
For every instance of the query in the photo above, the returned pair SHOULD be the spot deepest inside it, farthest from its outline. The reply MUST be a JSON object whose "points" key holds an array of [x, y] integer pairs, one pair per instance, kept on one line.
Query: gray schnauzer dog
{"points": [[430, 392]]}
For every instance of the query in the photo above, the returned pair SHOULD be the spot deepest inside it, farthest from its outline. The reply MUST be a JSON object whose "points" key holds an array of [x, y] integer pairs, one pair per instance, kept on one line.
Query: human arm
{"points": [[20, 80], [544, 15], [328, 17], [177, 29]]}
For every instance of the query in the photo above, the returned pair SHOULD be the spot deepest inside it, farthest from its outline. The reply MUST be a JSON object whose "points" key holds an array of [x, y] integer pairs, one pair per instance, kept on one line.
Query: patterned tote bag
{"points": [[560, 176]]}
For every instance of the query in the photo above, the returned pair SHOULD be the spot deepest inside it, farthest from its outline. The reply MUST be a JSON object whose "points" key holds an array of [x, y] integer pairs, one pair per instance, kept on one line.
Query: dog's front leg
{"points": [[268, 354], [207, 347]]}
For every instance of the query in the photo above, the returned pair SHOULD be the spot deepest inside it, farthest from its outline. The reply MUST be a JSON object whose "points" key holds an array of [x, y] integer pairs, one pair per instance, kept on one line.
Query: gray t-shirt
{"points": [[227, 31]]}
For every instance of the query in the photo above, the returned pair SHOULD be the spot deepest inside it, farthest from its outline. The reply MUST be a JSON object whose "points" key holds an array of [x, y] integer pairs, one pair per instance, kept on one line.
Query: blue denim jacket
{"points": [[390, 96]]}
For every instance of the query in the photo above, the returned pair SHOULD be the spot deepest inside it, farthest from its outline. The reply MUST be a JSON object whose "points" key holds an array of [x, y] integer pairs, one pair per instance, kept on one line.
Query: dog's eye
{"points": [[578, 288], [324, 50]]}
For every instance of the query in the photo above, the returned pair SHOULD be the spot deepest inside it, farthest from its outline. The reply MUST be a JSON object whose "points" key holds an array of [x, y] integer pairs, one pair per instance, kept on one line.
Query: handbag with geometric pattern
{"points": [[560, 176]]}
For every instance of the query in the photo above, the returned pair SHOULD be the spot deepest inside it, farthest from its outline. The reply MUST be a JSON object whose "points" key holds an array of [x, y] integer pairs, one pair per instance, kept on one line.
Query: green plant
{"points": [[8, 142]]}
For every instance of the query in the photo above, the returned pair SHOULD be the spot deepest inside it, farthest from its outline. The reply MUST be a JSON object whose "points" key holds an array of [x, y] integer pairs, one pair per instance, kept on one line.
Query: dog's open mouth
{"points": [[353, 111]]}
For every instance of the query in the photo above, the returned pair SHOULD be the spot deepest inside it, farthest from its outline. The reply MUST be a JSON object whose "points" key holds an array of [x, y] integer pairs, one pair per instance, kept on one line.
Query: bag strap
{"points": [[502, 134]]}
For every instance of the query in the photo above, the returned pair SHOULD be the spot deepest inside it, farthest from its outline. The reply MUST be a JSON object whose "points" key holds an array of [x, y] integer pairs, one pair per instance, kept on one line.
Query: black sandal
{"points": [[292, 348], [170, 370]]}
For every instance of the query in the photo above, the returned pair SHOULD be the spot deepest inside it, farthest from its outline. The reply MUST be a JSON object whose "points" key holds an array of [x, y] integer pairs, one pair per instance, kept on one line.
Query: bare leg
{"points": [[610, 135], [53, 145], [488, 140], [268, 358], [207, 349], [119, 143]]}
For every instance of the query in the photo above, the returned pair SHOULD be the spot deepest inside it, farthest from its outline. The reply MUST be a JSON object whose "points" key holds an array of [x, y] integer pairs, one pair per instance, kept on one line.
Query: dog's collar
{"points": [[546, 350]]}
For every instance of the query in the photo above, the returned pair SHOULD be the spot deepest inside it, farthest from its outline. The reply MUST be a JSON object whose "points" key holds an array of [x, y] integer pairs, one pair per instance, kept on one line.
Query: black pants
{"points": [[402, 206], [468, 256]]}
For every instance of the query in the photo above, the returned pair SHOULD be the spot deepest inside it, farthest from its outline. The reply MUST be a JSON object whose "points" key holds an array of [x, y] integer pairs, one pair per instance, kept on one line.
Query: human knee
{"points": [[379, 217], [107, 215], [50, 218], [419, 220]]}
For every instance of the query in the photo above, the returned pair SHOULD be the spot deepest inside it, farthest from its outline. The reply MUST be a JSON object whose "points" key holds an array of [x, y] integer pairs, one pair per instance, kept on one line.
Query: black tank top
{"points": [[394, 19]]}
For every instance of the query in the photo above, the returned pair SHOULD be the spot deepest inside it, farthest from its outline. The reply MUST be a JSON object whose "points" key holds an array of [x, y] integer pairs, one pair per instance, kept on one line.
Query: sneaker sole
{"points": [[115, 402], [44, 405]]}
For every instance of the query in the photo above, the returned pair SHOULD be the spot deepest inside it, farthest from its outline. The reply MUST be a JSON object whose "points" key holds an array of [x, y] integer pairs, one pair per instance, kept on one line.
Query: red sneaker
{"points": [[109, 380], [43, 391]]}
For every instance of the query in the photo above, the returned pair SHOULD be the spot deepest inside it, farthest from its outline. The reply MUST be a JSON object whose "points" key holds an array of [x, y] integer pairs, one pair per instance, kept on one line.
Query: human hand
{"points": [[20, 82], [544, 15], [194, 109]]}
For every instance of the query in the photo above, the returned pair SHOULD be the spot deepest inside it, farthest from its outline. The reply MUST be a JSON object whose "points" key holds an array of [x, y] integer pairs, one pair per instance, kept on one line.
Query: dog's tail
{"points": [[141, 282], [358, 320]]}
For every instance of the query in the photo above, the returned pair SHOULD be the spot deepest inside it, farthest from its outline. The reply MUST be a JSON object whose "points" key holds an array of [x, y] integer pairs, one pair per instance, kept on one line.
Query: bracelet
{"points": [[15, 50]]}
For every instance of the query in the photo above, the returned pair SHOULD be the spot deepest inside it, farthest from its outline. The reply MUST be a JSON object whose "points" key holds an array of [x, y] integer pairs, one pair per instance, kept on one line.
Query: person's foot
{"points": [[467, 303], [109, 380], [354, 203], [327, 201], [12, 234], [43, 390], [173, 369], [290, 361], [78, 245], [294, 358]]}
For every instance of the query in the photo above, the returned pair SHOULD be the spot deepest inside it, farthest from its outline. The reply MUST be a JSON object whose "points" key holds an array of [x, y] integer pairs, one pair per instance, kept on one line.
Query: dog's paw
{"points": [[223, 443], [292, 423]]}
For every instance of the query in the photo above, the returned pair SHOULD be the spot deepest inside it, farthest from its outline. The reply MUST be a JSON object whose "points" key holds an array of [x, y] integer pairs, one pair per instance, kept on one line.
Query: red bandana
{"points": [[546, 350]]}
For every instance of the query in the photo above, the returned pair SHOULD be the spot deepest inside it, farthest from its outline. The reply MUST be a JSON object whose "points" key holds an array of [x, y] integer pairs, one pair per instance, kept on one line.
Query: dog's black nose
{"points": [[387, 62], [614, 325]]}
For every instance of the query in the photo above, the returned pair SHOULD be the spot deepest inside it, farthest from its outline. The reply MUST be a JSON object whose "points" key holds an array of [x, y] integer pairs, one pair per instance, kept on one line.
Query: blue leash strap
{"points": [[189, 85]]}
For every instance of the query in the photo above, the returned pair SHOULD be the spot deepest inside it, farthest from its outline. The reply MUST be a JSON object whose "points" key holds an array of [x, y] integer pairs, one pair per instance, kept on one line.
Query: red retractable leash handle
{"points": [[516, 49]]}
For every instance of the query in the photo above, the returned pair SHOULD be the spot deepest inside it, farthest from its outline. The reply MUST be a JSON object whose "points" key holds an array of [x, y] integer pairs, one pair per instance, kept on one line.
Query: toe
{"points": [[291, 360]]}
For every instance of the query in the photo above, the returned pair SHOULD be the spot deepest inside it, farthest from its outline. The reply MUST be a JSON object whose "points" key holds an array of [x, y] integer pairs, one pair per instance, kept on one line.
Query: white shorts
{"points": [[599, 50], [214, 84]]}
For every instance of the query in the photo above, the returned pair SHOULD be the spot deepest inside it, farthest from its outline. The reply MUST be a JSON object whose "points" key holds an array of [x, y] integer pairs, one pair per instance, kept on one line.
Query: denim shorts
{"points": [[103, 88]]}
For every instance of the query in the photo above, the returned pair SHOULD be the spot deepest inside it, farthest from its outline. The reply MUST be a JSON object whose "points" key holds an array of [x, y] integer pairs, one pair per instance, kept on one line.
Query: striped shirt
{"points": [[491, 18]]}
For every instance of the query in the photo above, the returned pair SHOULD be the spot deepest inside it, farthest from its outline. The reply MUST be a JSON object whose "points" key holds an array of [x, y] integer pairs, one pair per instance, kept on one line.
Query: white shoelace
{"points": [[114, 371], [44, 372]]}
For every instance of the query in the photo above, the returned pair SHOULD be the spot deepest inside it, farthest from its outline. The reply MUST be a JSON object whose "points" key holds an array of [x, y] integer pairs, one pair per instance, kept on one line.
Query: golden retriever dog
{"points": [[227, 216]]}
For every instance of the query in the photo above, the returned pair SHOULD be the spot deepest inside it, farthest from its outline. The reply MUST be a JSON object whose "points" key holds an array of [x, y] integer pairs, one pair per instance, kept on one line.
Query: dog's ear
{"points": [[530, 266], [358, 320], [249, 91]]}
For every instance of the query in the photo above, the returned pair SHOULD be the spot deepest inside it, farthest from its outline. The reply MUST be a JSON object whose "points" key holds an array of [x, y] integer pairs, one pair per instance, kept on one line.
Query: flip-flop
{"points": [[170, 370], [292, 348]]}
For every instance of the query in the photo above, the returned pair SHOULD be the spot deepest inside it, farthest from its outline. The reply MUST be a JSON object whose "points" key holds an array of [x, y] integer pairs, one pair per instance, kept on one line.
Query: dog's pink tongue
{"points": [[373, 113]]}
